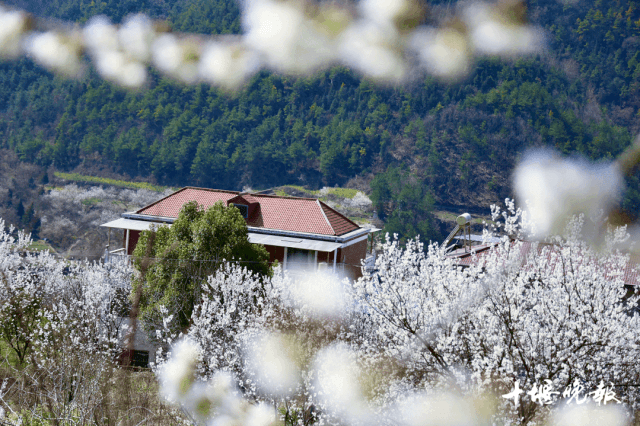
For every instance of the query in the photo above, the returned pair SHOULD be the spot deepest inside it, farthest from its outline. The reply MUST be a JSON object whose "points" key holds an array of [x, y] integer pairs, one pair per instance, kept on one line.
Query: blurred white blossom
{"points": [[136, 35], [217, 401], [555, 188], [57, 51], [13, 24], [227, 63], [320, 294], [374, 51], [167, 53], [281, 32], [383, 12], [271, 358], [437, 409], [117, 53], [590, 414], [176, 56], [178, 374], [496, 33], [444, 52], [338, 386], [260, 415], [384, 40], [117, 67], [99, 34]]}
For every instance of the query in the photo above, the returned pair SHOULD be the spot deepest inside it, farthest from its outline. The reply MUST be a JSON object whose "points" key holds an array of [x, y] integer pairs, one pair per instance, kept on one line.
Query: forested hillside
{"points": [[424, 143]]}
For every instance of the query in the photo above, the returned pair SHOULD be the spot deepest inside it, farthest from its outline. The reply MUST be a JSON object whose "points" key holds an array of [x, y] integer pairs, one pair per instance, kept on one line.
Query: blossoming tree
{"points": [[64, 324], [555, 319], [556, 314]]}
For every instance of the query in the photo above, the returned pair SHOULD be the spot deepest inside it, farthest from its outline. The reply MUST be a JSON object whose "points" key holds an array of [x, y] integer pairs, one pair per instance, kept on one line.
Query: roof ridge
{"points": [[181, 190], [325, 217], [210, 190], [287, 197], [245, 197], [339, 214]]}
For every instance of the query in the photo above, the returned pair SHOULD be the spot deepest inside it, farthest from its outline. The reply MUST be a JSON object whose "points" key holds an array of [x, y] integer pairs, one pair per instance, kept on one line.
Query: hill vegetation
{"points": [[458, 143]]}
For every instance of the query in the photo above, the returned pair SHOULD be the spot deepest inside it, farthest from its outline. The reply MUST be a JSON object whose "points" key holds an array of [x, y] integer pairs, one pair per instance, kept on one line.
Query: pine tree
{"points": [[20, 210]]}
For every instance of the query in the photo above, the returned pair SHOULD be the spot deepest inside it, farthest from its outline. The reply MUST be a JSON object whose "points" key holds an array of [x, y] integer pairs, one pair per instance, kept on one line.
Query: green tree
{"points": [[175, 261], [20, 210]]}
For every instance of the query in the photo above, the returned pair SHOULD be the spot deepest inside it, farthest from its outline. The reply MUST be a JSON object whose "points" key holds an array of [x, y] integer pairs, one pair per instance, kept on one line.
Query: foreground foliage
{"points": [[62, 329], [420, 341], [418, 335], [176, 260]]}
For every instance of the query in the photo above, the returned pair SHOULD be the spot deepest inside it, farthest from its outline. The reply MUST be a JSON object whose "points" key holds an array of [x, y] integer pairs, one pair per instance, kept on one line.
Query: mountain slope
{"points": [[460, 141]]}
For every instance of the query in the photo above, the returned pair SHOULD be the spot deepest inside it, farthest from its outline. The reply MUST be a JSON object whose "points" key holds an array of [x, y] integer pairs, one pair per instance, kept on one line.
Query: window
{"points": [[134, 358], [244, 210], [299, 257], [140, 359]]}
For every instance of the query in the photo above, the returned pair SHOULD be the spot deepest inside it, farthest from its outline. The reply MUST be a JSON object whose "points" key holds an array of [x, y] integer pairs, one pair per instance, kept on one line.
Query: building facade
{"points": [[299, 233]]}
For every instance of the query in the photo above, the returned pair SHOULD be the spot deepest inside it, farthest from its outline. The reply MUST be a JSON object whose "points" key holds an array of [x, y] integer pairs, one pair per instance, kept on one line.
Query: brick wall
{"points": [[352, 256], [275, 253], [133, 240]]}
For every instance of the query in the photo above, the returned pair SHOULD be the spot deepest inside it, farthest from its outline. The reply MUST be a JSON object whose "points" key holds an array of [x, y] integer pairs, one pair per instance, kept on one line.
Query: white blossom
{"points": [[177, 56], [584, 415], [337, 382], [100, 35], [384, 40], [384, 12], [554, 188], [418, 328], [68, 323], [271, 359], [136, 35], [178, 374], [12, 26], [281, 32], [227, 63], [320, 294], [55, 51], [495, 33], [437, 409], [373, 50], [443, 52]]}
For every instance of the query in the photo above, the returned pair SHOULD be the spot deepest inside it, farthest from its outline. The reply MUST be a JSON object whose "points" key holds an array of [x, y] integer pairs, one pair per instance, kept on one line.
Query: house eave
{"points": [[320, 237], [257, 230], [148, 218]]}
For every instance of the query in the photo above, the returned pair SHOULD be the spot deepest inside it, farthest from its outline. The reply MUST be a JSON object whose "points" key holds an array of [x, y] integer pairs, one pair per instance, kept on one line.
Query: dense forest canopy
{"points": [[457, 141]]}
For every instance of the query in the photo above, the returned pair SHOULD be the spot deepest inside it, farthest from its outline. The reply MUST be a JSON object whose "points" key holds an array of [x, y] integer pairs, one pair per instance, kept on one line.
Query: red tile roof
{"points": [[338, 222], [249, 198], [242, 199], [170, 206], [293, 214]]}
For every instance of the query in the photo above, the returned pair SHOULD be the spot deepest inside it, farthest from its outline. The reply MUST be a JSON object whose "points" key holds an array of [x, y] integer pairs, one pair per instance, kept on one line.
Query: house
{"points": [[144, 350], [295, 231], [472, 250]]}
